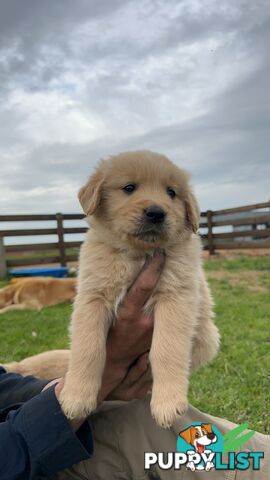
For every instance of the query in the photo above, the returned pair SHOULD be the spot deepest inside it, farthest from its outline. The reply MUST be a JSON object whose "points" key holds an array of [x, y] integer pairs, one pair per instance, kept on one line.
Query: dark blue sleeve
{"points": [[37, 440], [15, 389]]}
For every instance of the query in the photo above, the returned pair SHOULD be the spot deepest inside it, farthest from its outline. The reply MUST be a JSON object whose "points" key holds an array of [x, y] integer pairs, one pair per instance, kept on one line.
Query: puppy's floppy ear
{"points": [[90, 194], [192, 211]]}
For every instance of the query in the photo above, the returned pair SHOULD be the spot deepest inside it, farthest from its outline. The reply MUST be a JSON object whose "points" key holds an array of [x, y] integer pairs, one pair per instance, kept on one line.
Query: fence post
{"points": [[61, 241], [3, 263], [211, 246]]}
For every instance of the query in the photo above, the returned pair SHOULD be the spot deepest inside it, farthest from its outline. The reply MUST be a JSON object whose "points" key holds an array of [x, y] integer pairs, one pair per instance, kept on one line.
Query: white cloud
{"points": [[52, 116], [88, 79]]}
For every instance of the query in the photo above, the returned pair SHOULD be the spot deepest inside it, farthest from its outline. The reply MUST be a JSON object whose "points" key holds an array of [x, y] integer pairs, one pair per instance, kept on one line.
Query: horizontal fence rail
{"points": [[22, 254], [249, 227]]}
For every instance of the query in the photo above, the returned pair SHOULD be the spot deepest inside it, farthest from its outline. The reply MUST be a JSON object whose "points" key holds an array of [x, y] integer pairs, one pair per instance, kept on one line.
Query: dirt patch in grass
{"points": [[251, 280], [232, 254]]}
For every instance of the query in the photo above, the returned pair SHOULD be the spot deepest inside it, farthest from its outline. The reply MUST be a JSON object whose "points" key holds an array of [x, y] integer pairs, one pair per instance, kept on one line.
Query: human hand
{"points": [[137, 382], [131, 335]]}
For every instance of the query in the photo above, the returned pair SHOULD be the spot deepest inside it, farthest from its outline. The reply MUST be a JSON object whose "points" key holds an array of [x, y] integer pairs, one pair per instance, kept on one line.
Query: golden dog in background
{"points": [[36, 293], [138, 203], [45, 365]]}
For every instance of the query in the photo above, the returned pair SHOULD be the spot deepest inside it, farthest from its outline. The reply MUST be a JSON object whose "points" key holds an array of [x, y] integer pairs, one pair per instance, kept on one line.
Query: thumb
{"points": [[58, 388]]}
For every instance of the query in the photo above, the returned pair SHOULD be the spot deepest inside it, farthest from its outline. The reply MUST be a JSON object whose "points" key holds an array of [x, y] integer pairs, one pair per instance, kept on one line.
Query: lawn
{"points": [[236, 385]]}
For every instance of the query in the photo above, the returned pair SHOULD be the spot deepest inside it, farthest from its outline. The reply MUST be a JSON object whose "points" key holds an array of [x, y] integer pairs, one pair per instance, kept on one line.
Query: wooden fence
{"points": [[249, 228], [254, 219], [60, 252]]}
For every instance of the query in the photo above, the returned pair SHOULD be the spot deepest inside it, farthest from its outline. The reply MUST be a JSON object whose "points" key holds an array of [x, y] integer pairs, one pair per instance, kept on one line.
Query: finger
{"points": [[144, 284], [136, 371], [141, 387], [146, 389], [51, 383], [58, 388]]}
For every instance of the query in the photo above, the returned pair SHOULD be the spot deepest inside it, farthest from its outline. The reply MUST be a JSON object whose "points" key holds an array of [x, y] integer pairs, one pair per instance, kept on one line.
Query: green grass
{"points": [[25, 333], [235, 386], [242, 263]]}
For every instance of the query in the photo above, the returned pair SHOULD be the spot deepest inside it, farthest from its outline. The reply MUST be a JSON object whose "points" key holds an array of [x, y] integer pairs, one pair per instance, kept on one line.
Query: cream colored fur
{"points": [[111, 257], [36, 293], [45, 365]]}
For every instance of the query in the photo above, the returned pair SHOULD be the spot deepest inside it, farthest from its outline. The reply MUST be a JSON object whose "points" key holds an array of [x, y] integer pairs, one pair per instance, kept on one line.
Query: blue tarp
{"points": [[40, 272]]}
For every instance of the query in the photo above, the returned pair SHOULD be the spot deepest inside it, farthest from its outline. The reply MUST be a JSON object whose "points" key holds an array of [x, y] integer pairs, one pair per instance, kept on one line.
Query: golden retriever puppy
{"points": [[138, 203], [36, 293]]}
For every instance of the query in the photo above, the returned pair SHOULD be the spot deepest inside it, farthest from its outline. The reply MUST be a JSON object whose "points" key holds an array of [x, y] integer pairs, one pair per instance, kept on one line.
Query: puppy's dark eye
{"points": [[130, 188], [171, 192]]}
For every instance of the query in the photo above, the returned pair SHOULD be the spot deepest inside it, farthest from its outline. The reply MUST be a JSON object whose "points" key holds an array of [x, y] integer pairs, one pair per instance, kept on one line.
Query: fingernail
{"points": [[147, 359], [160, 257], [144, 361], [148, 259], [160, 254]]}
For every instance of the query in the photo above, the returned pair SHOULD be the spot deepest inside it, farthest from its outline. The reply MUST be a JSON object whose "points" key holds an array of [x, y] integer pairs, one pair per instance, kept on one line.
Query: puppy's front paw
{"points": [[167, 406], [78, 401]]}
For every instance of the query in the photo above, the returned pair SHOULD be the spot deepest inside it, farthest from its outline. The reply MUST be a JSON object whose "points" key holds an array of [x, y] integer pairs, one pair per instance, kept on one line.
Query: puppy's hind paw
{"points": [[76, 405], [166, 412]]}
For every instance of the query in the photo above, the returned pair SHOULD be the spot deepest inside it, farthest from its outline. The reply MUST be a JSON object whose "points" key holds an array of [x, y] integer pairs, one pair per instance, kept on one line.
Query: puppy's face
{"points": [[142, 198]]}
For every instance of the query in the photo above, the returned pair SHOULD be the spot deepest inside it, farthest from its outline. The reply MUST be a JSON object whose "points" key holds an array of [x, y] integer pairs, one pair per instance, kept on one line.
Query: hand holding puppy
{"points": [[131, 336], [128, 341]]}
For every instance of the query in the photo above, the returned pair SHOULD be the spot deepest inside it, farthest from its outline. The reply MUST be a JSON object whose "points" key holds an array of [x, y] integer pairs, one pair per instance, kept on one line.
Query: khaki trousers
{"points": [[124, 431]]}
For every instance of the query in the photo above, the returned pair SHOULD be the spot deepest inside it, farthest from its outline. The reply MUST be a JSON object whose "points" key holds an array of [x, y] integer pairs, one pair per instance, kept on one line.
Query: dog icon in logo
{"points": [[199, 437]]}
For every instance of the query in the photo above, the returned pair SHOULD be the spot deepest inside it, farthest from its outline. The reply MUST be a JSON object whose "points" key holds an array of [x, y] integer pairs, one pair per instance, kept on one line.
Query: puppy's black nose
{"points": [[154, 214], [211, 436]]}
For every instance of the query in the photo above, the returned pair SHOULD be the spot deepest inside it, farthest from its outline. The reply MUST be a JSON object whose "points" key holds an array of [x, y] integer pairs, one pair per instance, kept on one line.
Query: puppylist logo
{"points": [[201, 446]]}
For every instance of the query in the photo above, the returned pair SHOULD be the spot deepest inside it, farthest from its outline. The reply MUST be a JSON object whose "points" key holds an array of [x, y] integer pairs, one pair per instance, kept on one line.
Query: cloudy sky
{"points": [[83, 79]]}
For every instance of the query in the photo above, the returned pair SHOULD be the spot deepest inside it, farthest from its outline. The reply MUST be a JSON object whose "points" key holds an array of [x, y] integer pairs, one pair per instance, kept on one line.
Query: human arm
{"points": [[37, 439], [15, 389]]}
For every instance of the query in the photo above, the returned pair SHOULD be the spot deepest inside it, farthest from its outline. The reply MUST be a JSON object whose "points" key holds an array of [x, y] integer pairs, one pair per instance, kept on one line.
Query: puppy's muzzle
{"points": [[154, 214]]}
